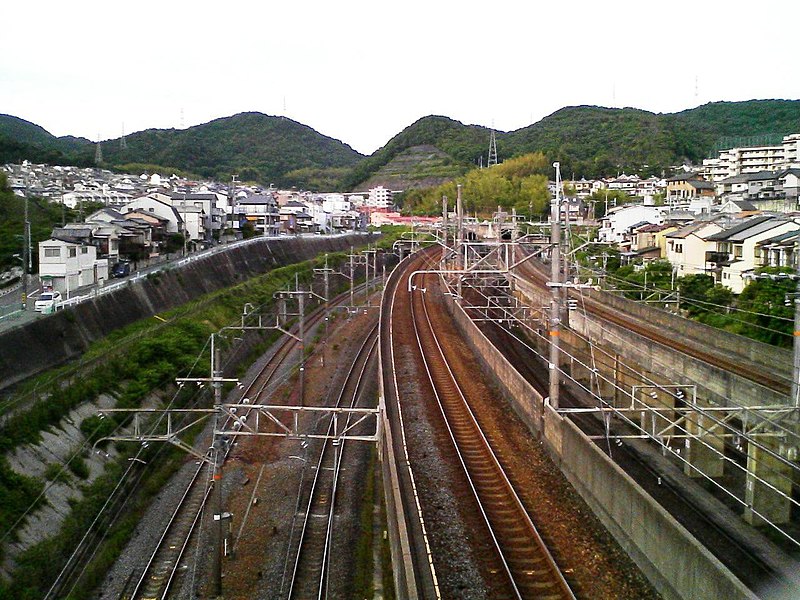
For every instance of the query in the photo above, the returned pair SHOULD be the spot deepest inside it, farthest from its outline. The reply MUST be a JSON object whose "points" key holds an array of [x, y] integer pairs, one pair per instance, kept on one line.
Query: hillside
{"points": [[592, 141], [253, 145], [589, 141], [417, 167]]}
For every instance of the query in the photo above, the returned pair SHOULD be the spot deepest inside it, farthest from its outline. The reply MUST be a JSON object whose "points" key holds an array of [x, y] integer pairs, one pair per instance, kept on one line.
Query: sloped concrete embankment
{"points": [[52, 340]]}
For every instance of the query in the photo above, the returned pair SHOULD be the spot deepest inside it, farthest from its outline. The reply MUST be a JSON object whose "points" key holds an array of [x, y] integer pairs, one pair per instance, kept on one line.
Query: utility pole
{"points": [[218, 533], [459, 236], [352, 279], [796, 363], [26, 256], [232, 203], [555, 281]]}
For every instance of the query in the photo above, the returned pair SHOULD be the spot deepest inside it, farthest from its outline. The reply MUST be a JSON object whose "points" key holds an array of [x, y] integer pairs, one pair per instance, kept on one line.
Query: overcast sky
{"points": [[361, 71]]}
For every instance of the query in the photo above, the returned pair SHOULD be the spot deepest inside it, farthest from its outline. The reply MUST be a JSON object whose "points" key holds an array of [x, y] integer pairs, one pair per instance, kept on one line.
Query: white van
{"points": [[47, 302]]}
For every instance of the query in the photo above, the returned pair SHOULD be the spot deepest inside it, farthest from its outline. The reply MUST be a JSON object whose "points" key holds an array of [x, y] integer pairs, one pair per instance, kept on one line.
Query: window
{"points": [[84, 250], [52, 252], [679, 248], [73, 252]]}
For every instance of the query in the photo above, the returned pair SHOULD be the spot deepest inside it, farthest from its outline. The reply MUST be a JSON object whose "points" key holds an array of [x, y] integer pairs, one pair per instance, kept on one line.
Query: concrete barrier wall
{"points": [[397, 515], [674, 562], [667, 365], [778, 360], [54, 339], [527, 402]]}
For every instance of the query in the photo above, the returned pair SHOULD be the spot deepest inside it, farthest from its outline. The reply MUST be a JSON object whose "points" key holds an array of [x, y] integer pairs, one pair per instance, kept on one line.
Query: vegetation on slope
{"points": [[589, 141], [43, 215], [518, 183]]}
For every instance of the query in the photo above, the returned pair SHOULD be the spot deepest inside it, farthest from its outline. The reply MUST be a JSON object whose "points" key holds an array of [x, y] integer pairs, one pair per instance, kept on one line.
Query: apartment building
{"points": [[741, 161]]}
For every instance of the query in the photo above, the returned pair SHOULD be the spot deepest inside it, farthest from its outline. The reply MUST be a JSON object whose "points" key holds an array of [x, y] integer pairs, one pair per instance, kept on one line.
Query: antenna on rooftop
{"points": [[492, 160]]}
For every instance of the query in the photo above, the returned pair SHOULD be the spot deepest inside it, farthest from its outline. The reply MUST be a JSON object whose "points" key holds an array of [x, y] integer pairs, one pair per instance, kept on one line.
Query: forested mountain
{"points": [[253, 145], [589, 141], [592, 141]]}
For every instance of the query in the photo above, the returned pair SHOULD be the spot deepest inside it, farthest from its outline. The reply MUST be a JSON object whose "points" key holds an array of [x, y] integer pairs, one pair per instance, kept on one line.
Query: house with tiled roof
{"points": [[688, 248], [735, 254]]}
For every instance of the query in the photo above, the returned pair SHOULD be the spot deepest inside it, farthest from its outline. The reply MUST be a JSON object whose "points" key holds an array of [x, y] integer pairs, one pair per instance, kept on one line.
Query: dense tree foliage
{"points": [[43, 215], [593, 142], [589, 142], [517, 183]]}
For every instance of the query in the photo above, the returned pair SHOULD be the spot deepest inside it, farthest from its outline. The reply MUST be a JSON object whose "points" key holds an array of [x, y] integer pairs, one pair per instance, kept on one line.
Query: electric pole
{"points": [[216, 575], [26, 256], [555, 282]]}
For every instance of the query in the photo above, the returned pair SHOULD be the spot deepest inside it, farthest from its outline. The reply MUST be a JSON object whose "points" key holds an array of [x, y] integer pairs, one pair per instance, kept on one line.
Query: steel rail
{"points": [[323, 493], [528, 564], [265, 377]]}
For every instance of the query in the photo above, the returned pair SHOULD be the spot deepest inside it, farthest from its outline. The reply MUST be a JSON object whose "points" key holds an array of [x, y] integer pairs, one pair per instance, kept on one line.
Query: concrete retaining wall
{"points": [[56, 338], [674, 562], [667, 365]]}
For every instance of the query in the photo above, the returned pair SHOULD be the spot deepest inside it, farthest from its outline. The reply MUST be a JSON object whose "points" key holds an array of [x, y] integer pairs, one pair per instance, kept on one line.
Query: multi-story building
{"points": [[740, 161], [67, 264], [380, 197]]}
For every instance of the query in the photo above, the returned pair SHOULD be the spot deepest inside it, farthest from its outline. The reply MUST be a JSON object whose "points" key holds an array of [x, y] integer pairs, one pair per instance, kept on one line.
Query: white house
{"points": [[66, 265], [736, 248], [158, 207], [688, 248], [619, 219]]}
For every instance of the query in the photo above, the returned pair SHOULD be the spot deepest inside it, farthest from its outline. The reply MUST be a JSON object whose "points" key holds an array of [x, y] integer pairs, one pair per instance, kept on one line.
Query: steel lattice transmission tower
{"points": [[98, 152], [492, 150]]}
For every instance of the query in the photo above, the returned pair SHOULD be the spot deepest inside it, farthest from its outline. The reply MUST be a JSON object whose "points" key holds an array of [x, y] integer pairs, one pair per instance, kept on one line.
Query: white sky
{"points": [[361, 71]]}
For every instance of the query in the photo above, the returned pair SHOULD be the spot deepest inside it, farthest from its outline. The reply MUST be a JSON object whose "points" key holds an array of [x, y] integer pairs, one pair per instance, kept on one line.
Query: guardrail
{"points": [[10, 311], [111, 287]]}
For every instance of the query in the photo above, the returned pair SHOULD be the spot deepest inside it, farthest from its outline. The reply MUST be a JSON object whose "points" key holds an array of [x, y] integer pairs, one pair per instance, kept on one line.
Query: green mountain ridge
{"points": [[589, 141]]}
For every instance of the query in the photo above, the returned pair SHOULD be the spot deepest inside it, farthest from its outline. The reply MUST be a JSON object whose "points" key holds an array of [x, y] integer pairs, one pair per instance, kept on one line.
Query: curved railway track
{"points": [[739, 365], [309, 576], [749, 567], [159, 574], [522, 559]]}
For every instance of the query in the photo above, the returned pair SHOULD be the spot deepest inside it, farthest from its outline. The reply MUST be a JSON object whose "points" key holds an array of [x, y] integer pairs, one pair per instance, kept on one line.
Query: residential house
{"points": [[688, 248], [65, 265], [159, 206], [737, 207], [779, 250], [261, 211], [735, 255], [649, 241], [618, 220], [683, 188], [212, 216], [294, 218]]}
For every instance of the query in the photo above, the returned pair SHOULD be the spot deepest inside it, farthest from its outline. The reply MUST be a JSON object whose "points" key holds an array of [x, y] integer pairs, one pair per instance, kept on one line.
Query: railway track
{"points": [[523, 560], [730, 550], [309, 577], [739, 365], [159, 575]]}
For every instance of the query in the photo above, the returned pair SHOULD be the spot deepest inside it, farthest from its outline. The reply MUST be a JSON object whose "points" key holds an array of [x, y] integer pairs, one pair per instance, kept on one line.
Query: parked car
{"points": [[47, 302], [121, 269]]}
